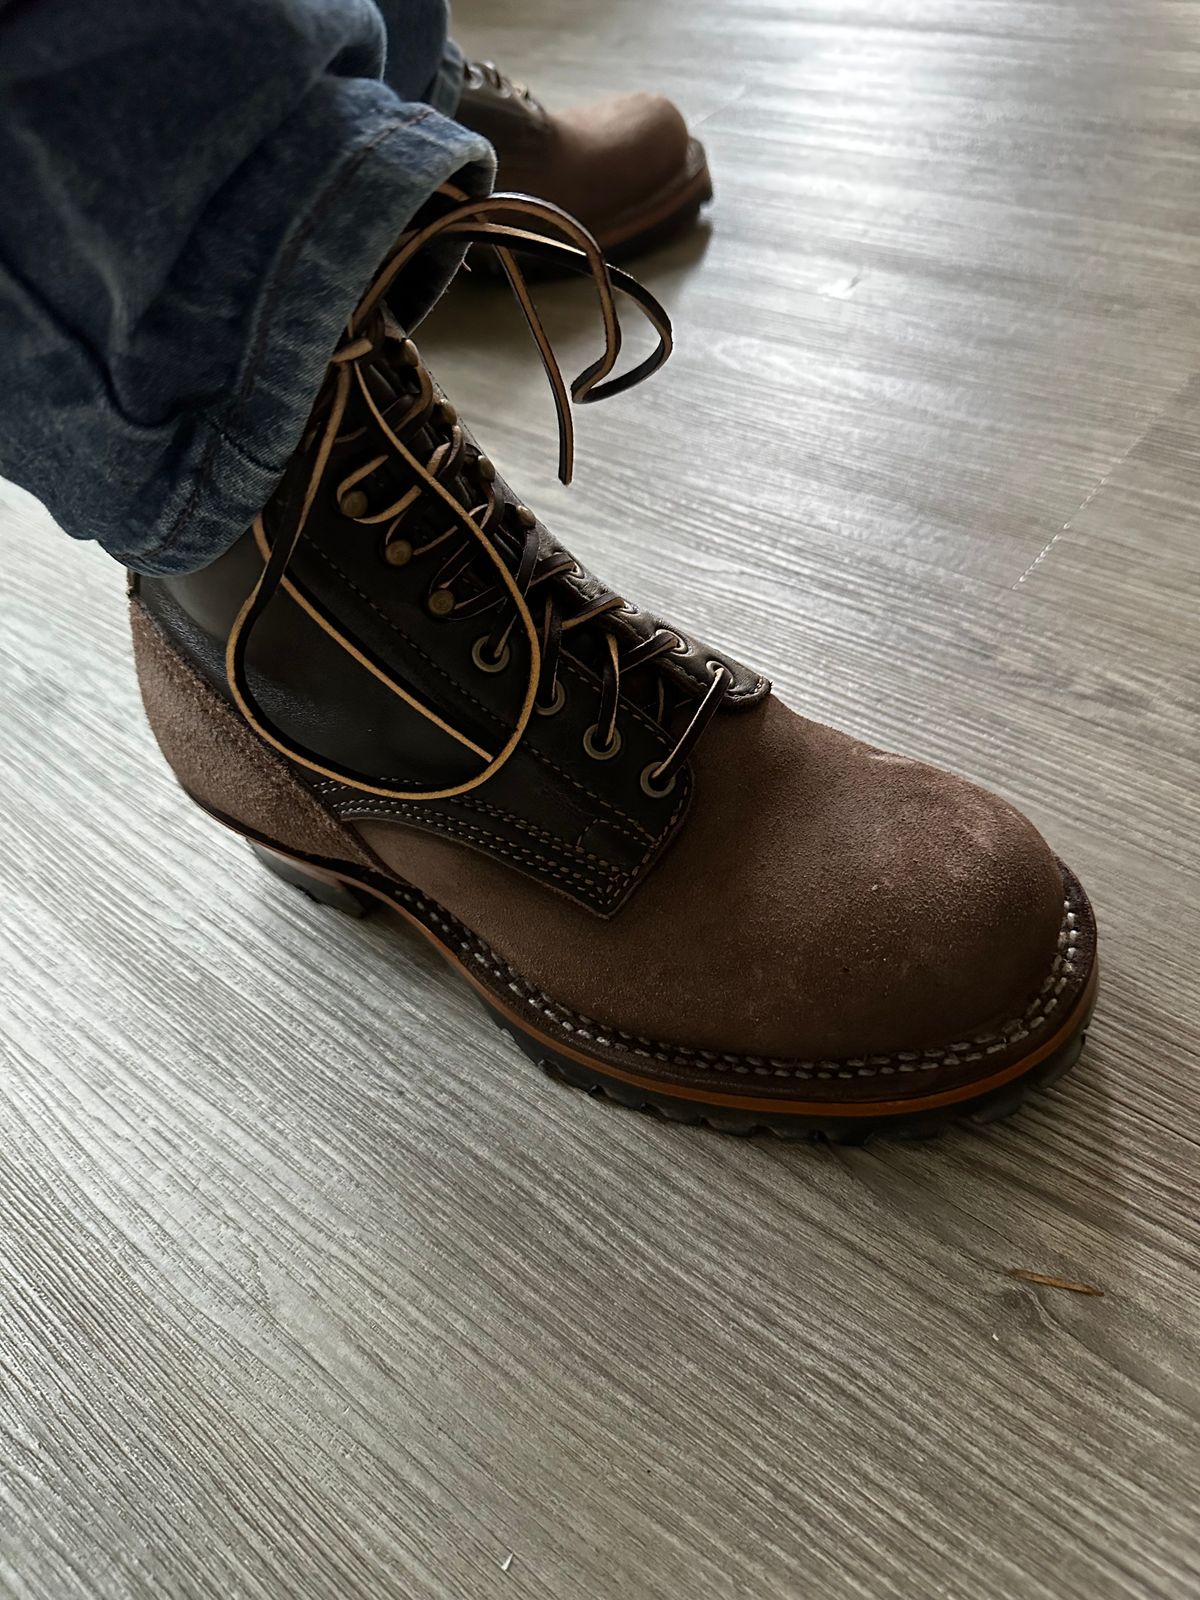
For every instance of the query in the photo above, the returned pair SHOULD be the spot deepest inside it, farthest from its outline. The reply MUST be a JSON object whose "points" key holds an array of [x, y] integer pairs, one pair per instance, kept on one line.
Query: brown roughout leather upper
{"points": [[601, 162], [793, 893], [824, 900]]}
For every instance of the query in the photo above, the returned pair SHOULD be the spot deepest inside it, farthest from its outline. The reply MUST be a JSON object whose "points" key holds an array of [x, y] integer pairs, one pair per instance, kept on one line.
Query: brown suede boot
{"points": [[625, 166], [663, 883]]}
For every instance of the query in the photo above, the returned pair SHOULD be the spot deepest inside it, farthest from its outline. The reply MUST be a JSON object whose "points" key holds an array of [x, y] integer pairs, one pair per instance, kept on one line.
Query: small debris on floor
{"points": [[1054, 1283], [507, 1562]]}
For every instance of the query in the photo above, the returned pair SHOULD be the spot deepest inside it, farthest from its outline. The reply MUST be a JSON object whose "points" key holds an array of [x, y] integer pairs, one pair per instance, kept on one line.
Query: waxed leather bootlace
{"points": [[492, 535]]}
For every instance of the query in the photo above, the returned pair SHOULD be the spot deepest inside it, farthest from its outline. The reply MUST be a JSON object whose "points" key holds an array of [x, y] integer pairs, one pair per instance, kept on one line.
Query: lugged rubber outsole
{"points": [[988, 1108]]}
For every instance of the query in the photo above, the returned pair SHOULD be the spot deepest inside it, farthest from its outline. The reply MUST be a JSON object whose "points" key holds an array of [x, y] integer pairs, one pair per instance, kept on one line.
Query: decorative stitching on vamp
{"points": [[502, 847], [353, 808], [353, 805], [608, 893]]}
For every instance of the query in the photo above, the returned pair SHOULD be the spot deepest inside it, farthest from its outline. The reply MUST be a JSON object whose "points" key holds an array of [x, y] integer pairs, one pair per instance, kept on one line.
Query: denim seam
{"points": [[218, 425]]}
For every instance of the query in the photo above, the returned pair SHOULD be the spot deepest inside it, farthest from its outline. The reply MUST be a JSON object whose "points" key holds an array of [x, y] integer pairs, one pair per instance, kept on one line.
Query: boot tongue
{"points": [[382, 383]]}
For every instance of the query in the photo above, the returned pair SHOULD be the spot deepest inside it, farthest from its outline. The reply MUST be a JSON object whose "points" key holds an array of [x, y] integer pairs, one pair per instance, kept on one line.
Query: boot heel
{"points": [[328, 891]]}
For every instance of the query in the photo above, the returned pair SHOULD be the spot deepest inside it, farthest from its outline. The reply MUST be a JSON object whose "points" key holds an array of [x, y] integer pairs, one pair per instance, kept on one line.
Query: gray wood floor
{"points": [[310, 1286]]}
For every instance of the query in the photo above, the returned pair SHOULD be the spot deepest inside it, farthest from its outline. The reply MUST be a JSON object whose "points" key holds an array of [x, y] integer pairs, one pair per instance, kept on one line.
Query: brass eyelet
{"points": [[486, 662], [353, 504], [601, 752], [656, 791], [681, 646], [441, 603], [397, 552], [555, 705]]}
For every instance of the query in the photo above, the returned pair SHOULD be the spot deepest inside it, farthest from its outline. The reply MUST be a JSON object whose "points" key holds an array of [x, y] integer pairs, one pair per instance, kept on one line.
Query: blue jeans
{"points": [[193, 196]]}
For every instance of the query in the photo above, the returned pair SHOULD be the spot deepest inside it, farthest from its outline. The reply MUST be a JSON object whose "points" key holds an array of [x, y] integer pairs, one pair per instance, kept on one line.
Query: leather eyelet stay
{"points": [[508, 533]]}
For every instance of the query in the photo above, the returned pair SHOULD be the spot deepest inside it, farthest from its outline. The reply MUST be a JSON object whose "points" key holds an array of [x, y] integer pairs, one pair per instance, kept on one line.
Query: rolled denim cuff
{"points": [[220, 465]]}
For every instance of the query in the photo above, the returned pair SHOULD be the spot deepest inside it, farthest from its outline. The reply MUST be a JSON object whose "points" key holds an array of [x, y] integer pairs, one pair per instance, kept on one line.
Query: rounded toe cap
{"points": [[842, 902], [622, 151], [950, 909]]}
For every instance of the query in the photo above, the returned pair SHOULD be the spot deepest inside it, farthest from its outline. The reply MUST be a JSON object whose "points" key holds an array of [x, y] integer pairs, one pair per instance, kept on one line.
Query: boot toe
{"points": [[624, 149], [840, 902], [939, 915]]}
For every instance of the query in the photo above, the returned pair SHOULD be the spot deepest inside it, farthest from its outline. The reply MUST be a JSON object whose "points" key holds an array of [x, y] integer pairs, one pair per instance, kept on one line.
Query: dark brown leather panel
{"points": [[541, 814], [587, 827]]}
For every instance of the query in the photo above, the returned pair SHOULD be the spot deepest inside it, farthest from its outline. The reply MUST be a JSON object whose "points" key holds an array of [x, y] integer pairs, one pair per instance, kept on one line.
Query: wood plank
{"points": [[310, 1285]]}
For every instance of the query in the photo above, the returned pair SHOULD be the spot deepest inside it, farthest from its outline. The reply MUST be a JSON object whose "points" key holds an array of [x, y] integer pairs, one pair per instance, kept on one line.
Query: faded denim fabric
{"points": [[193, 196]]}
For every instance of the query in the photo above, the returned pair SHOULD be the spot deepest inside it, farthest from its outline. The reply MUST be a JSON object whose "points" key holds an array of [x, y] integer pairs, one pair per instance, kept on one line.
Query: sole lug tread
{"points": [[833, 1130]]}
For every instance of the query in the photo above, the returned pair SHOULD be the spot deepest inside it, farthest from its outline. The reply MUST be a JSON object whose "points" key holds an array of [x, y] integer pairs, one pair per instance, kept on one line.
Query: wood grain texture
{"points": [[310, 1286]]}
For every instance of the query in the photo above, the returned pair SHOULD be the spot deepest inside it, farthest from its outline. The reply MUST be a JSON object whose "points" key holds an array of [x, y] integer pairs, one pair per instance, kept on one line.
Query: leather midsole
{"points": [[973, 1090]]}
